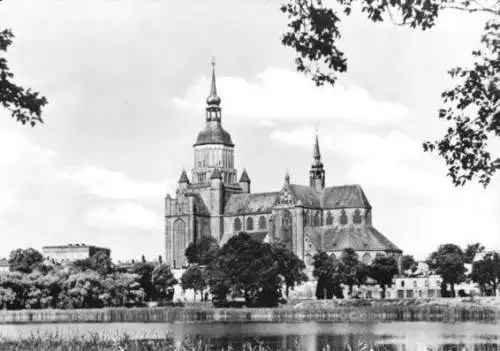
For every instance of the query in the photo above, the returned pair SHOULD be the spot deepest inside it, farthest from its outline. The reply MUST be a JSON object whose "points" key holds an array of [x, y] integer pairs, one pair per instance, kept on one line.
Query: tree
{"points": [[327, 272], [202, 251], [383, 269], [246, 268], [290, 267], [448, 262], [145, 273], [194, 278], [25, 261], [164, 281], [471, 251], [101, 262], [473, 105], [486, 272], [409, 263], [352, 272], [25, 105]]}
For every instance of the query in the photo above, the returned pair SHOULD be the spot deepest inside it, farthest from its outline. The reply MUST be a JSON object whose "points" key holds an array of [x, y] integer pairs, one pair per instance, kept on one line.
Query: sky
{"points": [[127, 80]]}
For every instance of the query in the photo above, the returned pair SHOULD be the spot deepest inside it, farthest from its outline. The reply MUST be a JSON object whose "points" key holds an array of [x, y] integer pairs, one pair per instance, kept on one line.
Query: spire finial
{"points": [[287, 177], [316, 153]]}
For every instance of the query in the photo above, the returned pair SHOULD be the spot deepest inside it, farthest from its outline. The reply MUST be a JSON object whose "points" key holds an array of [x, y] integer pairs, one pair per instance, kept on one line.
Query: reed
{"points": [[307, 312]]}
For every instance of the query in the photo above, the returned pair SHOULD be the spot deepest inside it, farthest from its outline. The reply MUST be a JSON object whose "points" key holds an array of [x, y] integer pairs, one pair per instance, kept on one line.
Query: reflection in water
{"points": [[397, 336]]}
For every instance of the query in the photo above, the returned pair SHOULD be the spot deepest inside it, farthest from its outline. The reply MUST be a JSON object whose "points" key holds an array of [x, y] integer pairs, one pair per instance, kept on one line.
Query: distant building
{"points": [[72, 252], [4, 265]]}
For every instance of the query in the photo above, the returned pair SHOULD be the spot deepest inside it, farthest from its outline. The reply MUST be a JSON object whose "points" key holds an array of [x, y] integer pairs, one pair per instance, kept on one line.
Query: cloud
{"points": [[395, 145], [279, 94], [114, 185], [124, 215]]}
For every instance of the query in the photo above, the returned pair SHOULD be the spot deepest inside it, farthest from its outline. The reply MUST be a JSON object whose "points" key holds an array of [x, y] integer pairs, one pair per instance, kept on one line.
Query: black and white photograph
{"points": [[255, 175]]}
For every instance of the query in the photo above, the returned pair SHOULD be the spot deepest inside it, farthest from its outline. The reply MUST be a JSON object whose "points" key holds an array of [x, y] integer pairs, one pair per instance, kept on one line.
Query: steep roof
{"points": [[359, 238], [244, 177], [250, 203], [345, 196], [216, 174], [307, 195], [183, 178]]}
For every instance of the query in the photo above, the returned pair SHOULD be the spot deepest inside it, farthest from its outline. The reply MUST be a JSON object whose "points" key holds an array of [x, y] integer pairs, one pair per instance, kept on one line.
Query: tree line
{"points": [[243, 271], [95, 282]]}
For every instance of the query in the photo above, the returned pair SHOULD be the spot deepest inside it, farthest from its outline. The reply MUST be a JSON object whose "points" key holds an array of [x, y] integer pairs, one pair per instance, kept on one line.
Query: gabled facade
{"points": [[307, 218]]}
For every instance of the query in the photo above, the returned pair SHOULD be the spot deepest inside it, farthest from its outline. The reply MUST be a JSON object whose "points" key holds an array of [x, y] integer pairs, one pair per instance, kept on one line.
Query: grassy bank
{"points": [[327, 311]]}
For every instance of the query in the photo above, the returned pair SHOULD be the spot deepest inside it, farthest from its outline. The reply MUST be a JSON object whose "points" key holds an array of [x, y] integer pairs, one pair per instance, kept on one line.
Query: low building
{"points": [[4, 265], [72, 252]]}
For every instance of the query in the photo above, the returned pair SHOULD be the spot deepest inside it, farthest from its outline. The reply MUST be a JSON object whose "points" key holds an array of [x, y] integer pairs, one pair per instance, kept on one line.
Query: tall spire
{"points": [[316, 153], [213, 99]]}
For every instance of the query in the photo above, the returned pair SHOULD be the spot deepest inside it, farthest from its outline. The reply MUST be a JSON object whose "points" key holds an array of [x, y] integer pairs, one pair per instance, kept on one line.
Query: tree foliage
{"points": [[163, 280], [471, 251], [486, 272], [327, 272], [383, 269], [256, 271], [24, 105], [25, 260], [409, 263], [472, 106], [144, 271], [448, 261], [352, 271], [194, 278], [202, 251], [290, 267]]}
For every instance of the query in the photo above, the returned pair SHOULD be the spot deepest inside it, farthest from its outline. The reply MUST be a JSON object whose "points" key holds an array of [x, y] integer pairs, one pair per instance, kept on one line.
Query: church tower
{"points": [[213, 148], [317, 172]]}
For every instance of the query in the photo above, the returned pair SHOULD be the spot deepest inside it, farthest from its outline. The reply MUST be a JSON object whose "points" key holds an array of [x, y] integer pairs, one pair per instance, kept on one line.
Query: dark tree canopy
{"points": [[486, 272], [145, 272], [352, 271], [448, 262], [25, 105], [163, 281], [248, 268], [327, 272], [290, 267], [25, 261], [383, 269], [472, 106], [471, 251], [202, 251], [409, 263], [194, 278]]}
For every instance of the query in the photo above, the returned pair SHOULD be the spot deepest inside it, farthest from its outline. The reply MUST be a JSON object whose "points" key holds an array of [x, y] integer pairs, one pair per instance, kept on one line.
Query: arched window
{"points": [[262, 222], [306, 218], [343, 218], [329, 218], [366, 258], [237, 225], [316, 219], [179, 234], [356, 219], [286, 229], [249, 223]]}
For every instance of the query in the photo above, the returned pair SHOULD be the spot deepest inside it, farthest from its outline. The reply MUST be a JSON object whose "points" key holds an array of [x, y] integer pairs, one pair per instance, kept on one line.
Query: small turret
{"points": [[216, 178], [245, 182], [183, 180]]}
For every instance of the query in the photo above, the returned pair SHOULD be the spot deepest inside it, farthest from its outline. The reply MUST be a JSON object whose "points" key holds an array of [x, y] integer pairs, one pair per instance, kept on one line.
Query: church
{"points": [[307, 218]]}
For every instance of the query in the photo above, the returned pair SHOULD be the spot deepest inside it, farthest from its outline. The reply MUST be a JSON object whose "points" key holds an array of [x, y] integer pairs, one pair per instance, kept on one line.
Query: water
{"points": [[312, 336]]}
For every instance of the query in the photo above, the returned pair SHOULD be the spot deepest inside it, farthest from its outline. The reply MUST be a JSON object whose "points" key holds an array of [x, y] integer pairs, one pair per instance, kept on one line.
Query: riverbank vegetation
{"points": [[243, 272]]}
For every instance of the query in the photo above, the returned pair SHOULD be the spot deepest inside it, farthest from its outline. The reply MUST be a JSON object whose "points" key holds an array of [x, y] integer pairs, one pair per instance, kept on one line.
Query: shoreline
{"points": [[202, 314]]}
